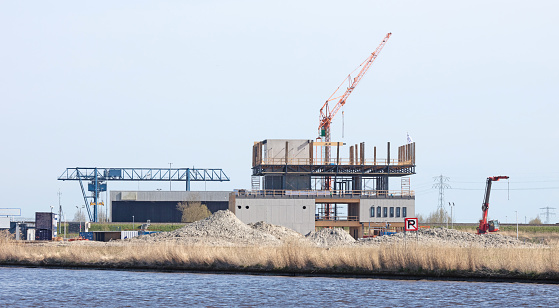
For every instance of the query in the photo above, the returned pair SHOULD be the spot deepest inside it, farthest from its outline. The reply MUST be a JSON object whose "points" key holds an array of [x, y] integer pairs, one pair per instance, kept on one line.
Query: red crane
{"points": [[327, 114], [492, 225]]}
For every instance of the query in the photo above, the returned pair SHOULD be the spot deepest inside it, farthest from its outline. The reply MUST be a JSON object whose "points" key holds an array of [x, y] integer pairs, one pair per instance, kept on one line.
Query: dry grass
{"points": [[410, 259]]}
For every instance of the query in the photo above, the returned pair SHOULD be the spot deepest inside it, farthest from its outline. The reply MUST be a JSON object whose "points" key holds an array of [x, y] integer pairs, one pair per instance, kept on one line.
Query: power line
{"points": [[440, 183], [547, 213]]}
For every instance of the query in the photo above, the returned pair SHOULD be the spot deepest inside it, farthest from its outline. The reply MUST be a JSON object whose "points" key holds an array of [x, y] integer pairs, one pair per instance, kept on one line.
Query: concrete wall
{"points": [[296, 214], [297, 149], [366, 204]]}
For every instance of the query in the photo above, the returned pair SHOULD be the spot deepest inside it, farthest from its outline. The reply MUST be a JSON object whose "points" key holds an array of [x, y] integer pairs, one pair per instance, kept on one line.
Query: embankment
{"points": [[221, 243]]}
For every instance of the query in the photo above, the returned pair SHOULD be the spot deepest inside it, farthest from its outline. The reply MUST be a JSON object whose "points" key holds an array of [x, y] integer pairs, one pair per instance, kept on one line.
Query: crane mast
{"points": [[327, 114]]}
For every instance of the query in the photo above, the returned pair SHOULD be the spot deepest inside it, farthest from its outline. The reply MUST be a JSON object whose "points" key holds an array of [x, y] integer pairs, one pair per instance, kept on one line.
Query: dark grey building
{"points": [[161, 206]]}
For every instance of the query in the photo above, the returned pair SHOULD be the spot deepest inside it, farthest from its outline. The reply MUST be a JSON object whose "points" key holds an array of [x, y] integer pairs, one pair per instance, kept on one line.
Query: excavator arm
{"points": [[484, 225]]}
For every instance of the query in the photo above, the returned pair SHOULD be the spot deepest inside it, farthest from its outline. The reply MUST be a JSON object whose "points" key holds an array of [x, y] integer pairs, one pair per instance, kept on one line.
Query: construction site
{"points": [[305, 185], [302, 184]]}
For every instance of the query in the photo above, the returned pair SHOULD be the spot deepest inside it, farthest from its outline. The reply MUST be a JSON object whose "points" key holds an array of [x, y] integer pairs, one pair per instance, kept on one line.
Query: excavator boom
{"points": [[484, 225]]}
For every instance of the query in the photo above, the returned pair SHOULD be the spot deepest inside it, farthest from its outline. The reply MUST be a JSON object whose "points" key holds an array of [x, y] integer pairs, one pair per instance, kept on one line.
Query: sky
{"points": [[195, 83]]}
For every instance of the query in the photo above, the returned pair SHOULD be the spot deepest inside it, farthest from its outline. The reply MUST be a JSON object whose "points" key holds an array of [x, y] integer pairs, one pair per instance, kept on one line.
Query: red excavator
{"points": [[492, 225]]}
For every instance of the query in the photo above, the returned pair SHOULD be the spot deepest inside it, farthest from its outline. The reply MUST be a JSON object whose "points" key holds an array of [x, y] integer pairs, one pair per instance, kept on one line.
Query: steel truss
{"points": [[98, 177]]}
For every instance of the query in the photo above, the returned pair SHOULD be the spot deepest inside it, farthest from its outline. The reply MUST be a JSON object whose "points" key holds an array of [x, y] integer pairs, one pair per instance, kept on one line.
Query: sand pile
{"points": [[279, 232], [449, 237], [223, 228], [331, 237]]}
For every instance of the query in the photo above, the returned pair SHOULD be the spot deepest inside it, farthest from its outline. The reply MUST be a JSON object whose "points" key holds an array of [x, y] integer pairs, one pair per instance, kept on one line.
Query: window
{"points": [[398, 212], [372, 211], [385, 212], [391, 211], [379, 212], [404, 211]]}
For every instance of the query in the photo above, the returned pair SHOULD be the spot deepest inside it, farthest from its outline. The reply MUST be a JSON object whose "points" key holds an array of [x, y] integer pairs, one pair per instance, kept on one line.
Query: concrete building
{"points": [[309, 184]]}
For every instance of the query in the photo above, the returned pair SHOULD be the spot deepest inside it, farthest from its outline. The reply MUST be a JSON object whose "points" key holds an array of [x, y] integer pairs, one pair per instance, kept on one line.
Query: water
{"points": [[39, 287]]}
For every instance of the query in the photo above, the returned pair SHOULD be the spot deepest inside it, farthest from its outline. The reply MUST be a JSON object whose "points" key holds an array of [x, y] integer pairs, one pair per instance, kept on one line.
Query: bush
{"points": [[438, 216], [535, 221], [193, 211]]}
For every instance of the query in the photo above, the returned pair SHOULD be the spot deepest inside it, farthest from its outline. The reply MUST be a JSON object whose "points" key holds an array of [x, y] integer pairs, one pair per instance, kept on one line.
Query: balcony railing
{"points": [[336, 218], [326, 193], [332, 161]]}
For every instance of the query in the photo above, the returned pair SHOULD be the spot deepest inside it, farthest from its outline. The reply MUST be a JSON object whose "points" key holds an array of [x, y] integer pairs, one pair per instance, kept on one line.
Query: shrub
{"points": [[193, 211]]}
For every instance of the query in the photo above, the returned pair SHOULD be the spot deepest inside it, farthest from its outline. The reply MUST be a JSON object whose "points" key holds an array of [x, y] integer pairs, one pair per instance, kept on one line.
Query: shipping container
{"points": [[43, 235], [105, 236], [128, 234]]}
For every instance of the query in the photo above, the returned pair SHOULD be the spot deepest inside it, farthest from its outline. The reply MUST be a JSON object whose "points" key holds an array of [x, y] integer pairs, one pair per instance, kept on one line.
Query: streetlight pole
{"points": [[451, 214], [79, 217], [132, 222], [170, 165], [516, 224]]}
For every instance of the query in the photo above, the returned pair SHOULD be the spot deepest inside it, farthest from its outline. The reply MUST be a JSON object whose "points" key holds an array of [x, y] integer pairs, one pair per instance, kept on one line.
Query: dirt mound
{"points": [[330, 237], [449, 237], [279, 232], [223, 228]]}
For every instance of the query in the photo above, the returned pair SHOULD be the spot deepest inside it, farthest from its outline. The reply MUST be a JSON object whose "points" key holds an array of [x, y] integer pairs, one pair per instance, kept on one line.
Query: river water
{"points": [[40, 287]]}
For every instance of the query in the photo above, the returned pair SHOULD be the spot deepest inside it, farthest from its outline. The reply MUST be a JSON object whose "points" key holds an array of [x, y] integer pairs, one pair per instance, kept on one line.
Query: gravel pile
{"points": [[279, 232], [331, 237], [223, 228], [449, 237]]}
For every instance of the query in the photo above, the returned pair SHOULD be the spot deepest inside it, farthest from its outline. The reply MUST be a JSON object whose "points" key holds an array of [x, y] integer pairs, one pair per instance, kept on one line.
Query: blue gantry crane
{"points": [[98, 177]]}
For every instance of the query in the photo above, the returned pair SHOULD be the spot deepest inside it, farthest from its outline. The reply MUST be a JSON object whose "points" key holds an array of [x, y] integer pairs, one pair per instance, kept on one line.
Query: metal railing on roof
{"points": [[325, 193]]}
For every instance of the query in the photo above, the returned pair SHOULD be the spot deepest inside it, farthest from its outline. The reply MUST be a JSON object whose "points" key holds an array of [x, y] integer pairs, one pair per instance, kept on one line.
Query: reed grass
{"points": [[398, 259]]}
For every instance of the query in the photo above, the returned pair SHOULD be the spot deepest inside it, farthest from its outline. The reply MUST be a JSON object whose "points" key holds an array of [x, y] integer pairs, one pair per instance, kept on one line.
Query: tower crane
{"points": [[327, 114]]}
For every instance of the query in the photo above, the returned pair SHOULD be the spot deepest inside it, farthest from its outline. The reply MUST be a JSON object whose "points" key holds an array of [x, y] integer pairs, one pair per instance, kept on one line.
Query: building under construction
{"points": [[308, 184], [297, 186]]}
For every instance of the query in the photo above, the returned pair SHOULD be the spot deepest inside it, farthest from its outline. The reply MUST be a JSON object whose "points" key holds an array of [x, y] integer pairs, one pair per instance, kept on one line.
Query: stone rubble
{"points": [[331, 237], [449, 237], [223, 228]]}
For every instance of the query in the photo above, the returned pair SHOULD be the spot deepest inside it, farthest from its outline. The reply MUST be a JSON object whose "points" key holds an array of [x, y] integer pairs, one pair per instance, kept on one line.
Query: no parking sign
{"points": [[411, 224]]}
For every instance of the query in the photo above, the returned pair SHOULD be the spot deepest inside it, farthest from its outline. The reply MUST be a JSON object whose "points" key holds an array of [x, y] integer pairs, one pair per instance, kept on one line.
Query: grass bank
{"points": [[411, 260]]}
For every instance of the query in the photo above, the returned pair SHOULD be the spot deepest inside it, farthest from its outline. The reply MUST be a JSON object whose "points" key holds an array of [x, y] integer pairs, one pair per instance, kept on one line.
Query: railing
{"points": [[325, 193], [332, 161], [336, 218]]}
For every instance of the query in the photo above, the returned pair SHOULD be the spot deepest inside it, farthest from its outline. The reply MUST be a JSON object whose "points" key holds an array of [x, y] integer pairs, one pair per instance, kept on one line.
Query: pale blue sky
{"points": [[145, 83]]}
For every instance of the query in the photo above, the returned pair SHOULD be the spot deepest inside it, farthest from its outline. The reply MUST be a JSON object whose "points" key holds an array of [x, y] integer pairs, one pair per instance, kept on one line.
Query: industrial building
{"points": [[161, 206]]}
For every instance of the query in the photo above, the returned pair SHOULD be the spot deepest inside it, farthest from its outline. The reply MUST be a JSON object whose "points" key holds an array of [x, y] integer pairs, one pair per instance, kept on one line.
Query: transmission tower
{"points": [[547, 213], [440, 183]]}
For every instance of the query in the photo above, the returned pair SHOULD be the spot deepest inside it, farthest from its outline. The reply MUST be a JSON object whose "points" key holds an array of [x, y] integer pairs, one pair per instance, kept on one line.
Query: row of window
{"points": [[384, 211]]}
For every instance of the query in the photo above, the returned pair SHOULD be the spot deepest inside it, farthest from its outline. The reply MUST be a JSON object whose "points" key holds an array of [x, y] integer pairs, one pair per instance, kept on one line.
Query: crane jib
{"points": [[326, 118]]}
